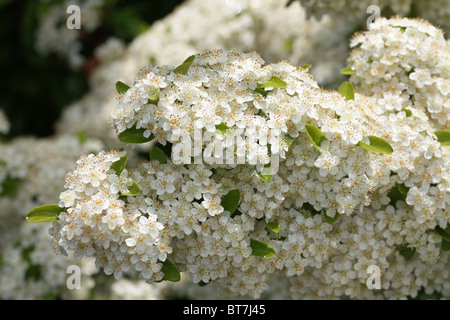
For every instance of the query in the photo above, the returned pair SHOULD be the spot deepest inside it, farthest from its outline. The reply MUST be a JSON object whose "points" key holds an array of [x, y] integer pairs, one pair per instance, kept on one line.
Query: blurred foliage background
{"points": [[37, 87]]}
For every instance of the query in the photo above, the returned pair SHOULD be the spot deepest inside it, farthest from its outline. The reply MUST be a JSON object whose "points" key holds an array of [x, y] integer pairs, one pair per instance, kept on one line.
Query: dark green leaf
{"points": [[261, 249], [274, 226], [403, 189], [184, 67], [133, 135], [119, 165], [261, 90], [10, 186], [171, 272], [45, 213], [290, 2], [236, 213], [315, 136], [231, 200], [346, 90], [159, 155], [395, 194], [377, 145], [443, 233], [445, 245], [407, 252], [121, 87], [329, 219]]}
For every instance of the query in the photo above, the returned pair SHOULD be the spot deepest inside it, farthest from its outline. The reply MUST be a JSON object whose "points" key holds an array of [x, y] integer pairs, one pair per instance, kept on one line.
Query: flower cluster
{"points": [[437, 12], [267, 26], [334, 207], [405, 62], [32, 171], [222, 89]]}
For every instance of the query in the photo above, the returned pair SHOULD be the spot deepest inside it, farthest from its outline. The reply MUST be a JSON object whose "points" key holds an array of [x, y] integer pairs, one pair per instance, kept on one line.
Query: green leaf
{"points": [[348, 71], [315, 136], [171, 272], [306, 66], [407, 111], [261, 249], [202, 283], [288, 140], [121, 87], [184, 67], [274, 226], [274, 82], [407, 253], [266, 173], [400, 27], [377, 145], [119, 165], [231, 200], [346, 90], [223, 129], [133, 135], [260, 89], [397, 192], [443, 233], [154, 96], [157, 154], [45, 213], [10, 186], [266, 177], [403, 189], [236, 213], [133, 190], [394, 194], [290, 2], [443, 137], [445, 245], [329, 219], [82, 137]]}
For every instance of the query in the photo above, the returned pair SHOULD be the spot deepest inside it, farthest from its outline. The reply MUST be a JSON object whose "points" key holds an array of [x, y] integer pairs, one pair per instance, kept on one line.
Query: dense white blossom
{"points": [[361, 12], [171, 221], [32, 171], [267, 26], [406, 62]]}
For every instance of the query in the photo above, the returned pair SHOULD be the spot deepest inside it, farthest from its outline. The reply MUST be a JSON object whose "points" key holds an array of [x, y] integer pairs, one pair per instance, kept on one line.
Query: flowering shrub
{"points": [[31, 173], [293, 181], [238, 173]]}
